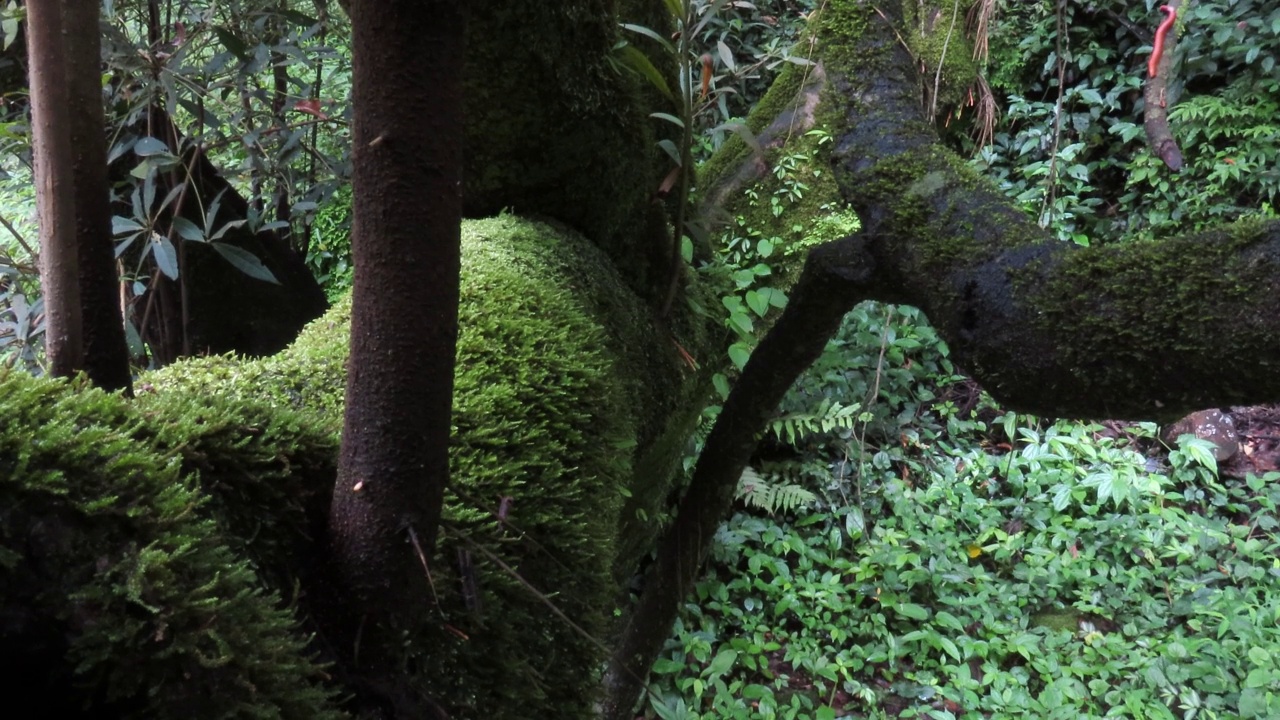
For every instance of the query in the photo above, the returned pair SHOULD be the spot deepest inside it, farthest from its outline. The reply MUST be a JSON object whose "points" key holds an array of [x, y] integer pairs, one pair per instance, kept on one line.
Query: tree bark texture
{"points": [[55, 187], [106, 355], [407, 141], [1124, 330]]}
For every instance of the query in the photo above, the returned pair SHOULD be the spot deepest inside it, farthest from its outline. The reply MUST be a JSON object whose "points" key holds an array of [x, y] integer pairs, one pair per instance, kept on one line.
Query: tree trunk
{"points": [[407, 141], [1138, 330], [55, 187], [106, 355]]}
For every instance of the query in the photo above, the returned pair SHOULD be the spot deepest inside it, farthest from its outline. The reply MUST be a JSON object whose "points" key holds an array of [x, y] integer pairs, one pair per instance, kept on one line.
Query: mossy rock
{"points": [[568, 398], [122, 591]]}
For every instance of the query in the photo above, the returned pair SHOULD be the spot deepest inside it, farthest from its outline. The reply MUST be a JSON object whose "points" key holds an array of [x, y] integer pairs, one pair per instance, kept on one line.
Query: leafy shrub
{"points": [[1094, 176]]}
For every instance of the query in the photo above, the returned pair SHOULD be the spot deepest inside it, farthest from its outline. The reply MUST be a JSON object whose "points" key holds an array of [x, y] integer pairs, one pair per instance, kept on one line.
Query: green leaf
{"points": [[721, 384], [1061, 497], [676, 9], [726, 55], [246, 262], [759, 303], [669, 118], [165, 255], [723, 662], [121, 225], [1253, 703], [147, 146], [742, 131], [742, 322], [667, 665], [739, 353], [1260, 656], [232, 43], [913, 611], [649, 33], [188, 230], [642, 66], [950, 648], [945, 619]]}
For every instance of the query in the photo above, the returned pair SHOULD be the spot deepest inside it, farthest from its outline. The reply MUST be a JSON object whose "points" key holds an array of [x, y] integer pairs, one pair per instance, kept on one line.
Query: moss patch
{"points": [[564, 388], [119, 588]]}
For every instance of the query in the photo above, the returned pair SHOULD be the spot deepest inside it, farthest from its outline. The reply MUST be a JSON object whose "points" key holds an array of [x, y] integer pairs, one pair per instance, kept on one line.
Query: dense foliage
{"points": [[957, 561], [1070, 147], [903, 547]]}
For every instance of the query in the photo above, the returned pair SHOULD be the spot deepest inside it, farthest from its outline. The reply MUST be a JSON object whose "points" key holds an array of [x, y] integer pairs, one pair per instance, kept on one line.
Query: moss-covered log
{"points": [[571, 412]]}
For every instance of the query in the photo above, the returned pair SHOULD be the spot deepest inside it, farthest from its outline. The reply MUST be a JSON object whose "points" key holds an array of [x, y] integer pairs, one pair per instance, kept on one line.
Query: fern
{"points": [[757, 491], [828, 417]]}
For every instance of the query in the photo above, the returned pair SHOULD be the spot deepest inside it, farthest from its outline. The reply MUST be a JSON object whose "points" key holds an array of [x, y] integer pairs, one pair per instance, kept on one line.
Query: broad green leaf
{"points": [[246, 262], [950, 648], [188, 230], [721, 384], [640, 63], [232, 43], [666, 665], [121, 225], [947, 620], [739, 353], [147, 146], [913, 611], [758, 303], [723, 662], [165, 254], [726, 55]]}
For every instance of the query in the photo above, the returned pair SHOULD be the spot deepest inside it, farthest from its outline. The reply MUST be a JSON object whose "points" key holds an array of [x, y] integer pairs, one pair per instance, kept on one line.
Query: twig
{"points": [[18, 236], [544, 600]]}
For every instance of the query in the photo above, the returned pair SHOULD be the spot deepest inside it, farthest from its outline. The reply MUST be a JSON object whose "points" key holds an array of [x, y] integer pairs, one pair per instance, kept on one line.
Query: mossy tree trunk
{"points": [[1144, 330], [407, 208]]}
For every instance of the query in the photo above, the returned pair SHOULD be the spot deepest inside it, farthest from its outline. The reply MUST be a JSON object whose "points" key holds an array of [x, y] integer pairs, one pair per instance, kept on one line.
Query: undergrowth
{"points": [[939, 557]]}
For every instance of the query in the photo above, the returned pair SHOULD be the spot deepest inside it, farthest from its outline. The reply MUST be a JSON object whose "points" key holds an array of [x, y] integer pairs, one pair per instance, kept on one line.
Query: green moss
{"points": [[557, 130], [936, 35], [1144, 287], [121, 587], [565, 389]]}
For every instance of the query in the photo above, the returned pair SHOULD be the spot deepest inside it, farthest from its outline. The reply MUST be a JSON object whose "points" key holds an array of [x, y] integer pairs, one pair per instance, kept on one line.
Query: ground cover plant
{"points": [[958, 561]]}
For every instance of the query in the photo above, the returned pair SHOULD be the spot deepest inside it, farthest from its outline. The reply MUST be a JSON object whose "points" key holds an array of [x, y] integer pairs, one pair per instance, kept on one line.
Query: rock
{"points": [[1213, 425]]}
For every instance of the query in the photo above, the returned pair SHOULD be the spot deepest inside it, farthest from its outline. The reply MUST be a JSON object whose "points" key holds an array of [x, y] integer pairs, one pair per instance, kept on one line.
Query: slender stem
{"points": [[686, 157], [35, 257]]}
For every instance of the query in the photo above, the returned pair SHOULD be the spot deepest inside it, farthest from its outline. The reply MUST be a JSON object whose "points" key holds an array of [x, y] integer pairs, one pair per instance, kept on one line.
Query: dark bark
{"points": [[55, 187], [835, 278], [407, 140], [106, 355], [224, 310]]}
